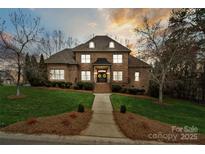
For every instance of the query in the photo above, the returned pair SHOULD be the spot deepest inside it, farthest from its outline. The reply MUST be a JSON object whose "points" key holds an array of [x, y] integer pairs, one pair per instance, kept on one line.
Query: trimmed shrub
{"points": [[133, 91], [124, 90], [141, 91], [80, 85], [68, 84], [88, 86], [136, 91], [59, 84], [116, 88], [2, 124], [48, 84], [81, 108], [84, 85], [76, 87], [123, 109]]}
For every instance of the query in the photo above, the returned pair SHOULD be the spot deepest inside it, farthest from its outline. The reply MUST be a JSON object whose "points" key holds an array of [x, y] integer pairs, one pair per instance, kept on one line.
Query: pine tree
{"points": [[42, 69]]}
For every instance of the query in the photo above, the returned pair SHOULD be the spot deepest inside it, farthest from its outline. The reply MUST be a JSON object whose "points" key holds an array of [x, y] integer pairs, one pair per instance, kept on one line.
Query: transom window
{"points": [[117, 75], [85, 75], [91, 45], [117, 58], [111, 45], [85, 58], [57, 74], [137, 76]]}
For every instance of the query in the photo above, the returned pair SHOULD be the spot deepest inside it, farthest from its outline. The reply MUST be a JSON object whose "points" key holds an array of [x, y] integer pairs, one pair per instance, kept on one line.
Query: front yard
{"points": [[39, 103], [145, 116]]}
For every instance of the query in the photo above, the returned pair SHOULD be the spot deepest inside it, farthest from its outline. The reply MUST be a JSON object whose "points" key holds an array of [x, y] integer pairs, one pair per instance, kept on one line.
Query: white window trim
{"points": [[57, 74], [117, 59], [111, 45], [85, 75], [85, 58], [92, 45], [137, 76], [117, 75]]}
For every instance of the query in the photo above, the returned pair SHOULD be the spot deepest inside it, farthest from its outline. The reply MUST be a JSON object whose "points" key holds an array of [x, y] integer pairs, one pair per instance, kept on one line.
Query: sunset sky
{"points": [[82, 23]]}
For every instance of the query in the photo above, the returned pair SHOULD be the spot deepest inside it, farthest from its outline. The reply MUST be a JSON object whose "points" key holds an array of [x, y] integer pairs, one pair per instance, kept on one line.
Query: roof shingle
{"points": [[65, 56], [135, 62], [101, 44]]}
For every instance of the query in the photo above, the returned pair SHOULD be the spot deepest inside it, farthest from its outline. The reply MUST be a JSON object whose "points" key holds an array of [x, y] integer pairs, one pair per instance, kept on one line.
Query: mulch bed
{"points": [[138, 127], [14, 97], [71, 123]]}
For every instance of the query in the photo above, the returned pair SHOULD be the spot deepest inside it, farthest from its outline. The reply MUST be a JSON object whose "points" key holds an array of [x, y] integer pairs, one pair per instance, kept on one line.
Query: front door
{"points": [[102, 77]]}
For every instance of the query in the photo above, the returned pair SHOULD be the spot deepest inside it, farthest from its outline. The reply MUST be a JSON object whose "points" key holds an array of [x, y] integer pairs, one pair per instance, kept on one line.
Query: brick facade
{"points": [[70, 72], [109, 56], [144, 76], [70, 61]]}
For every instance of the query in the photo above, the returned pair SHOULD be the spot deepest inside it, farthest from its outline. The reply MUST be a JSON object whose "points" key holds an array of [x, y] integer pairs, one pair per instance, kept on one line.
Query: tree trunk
{"points": [[17, 90], [160, 93], [161, 85], [18, 85], [18, 77]]}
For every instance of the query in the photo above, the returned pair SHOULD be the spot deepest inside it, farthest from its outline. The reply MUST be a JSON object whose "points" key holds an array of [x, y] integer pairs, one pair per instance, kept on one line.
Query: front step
{"points": [[102, 88]]}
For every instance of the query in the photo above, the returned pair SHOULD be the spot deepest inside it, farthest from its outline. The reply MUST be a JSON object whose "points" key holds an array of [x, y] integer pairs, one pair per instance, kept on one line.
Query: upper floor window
{"points": [[117, 58], [117, 75], [111, 45], [85, 75], [85, 58], [137, 76], [91, 45], [57, 74]]}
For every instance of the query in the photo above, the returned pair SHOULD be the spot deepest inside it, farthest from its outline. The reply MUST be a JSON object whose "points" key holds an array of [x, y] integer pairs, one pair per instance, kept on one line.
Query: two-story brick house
{"points": [[102, 61]]}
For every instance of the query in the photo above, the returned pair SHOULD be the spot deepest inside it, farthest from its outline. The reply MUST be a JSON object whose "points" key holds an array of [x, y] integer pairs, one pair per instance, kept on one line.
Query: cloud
{"points": [[122, 22], [81, 23], [92, 24], [135, 16]]}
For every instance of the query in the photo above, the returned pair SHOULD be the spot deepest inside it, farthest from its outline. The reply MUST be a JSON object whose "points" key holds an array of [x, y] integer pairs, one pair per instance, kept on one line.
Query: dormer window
{"points": [[111, 45], [91, 45]]}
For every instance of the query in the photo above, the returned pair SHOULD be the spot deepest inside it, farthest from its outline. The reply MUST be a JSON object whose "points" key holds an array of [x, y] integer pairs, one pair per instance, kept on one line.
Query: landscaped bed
{"points": [[39, 103], [63, 124], [146, 117], [138, 127]]}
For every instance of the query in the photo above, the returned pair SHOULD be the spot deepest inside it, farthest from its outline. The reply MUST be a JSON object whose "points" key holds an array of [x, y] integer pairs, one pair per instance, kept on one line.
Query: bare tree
{"points": [[54, 42], [162, 49], [25, 31]]}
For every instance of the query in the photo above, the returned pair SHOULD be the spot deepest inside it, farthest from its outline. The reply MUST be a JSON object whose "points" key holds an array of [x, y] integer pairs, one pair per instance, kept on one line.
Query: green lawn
{"points": [[176, 112], [39, 102]]}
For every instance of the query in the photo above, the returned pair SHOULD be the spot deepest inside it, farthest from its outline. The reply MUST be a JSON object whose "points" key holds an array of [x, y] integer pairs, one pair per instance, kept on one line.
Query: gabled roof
{"points": [[65, 56], [135, 62], [102, 61], [101, 44]]}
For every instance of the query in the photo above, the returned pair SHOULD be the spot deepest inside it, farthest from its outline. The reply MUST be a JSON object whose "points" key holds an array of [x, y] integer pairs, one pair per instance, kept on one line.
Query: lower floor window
{"points": [[137, 76], [117, 75], [57, 74], [85, 75]]}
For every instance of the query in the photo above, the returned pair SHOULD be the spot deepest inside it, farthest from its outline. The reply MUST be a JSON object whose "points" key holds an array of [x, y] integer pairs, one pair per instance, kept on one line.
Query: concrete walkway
{"points": [[102, 123]]}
